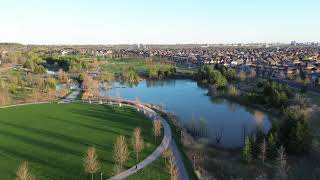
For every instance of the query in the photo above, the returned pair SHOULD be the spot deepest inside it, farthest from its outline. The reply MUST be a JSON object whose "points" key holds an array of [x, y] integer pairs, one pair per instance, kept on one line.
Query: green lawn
{"points": [[156, 171], [120, 65], [54, 137]]}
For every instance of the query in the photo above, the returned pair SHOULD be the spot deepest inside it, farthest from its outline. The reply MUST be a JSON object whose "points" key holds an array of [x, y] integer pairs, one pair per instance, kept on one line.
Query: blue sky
{"points": [[158, 21]]}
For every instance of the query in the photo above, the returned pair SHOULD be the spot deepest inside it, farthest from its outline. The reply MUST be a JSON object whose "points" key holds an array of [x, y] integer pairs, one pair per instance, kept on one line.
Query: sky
{"points": [[159, 21]]}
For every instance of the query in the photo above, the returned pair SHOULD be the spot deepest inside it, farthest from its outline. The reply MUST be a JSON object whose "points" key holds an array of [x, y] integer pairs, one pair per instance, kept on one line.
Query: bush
{"points": [[232, 91]]}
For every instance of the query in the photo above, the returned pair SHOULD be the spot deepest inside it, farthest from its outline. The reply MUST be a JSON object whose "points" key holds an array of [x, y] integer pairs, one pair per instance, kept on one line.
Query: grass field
{"points": [[155, 171], [135, 64], [54, 137]]}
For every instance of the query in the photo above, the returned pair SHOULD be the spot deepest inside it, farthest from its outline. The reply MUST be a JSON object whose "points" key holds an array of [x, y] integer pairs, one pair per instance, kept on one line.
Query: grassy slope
{"points": [[54, 137]]}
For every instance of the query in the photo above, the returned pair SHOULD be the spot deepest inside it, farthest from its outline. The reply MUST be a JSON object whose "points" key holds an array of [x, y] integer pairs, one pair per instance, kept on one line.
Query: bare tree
{"points": [[91, 86], [23, 172], [156, 128], [167, 153], [4, 96], [62, 76], [282, 167], [172, 167], [242, 75], [263, 151], [253, 73], [90, 161], [121, 153], [137, 141]]}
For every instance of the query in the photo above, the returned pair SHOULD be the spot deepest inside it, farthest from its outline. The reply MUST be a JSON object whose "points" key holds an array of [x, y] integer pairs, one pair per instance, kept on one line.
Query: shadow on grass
{"points": [[43, 132]]}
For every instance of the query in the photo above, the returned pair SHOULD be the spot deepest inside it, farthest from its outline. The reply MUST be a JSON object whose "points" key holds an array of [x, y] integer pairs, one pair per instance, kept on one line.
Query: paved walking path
{"points": [[157, 153], [175, 150], [72, 96], [179, 162], [166, 142]]}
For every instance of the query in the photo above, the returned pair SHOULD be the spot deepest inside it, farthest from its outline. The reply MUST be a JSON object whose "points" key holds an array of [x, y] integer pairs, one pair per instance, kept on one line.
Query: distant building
{"points": [[293, 43], [64, 52]]}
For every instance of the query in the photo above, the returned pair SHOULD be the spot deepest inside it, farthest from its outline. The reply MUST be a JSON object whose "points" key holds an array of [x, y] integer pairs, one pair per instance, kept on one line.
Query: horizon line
{"points": [[117, 44]]}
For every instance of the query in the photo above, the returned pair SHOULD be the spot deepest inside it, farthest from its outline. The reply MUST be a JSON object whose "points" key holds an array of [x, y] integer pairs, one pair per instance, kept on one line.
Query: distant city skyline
{"points": [[159, 22]]}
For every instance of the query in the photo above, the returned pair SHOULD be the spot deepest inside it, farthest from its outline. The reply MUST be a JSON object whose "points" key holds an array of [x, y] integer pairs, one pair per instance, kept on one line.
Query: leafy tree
{"points": [[208, 75], [296, 132], [229, 73]]}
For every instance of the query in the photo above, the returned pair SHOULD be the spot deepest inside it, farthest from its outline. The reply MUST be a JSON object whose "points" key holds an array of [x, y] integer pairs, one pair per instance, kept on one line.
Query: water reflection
{"points": [[259, 117], [155, 83], [226, 122]]}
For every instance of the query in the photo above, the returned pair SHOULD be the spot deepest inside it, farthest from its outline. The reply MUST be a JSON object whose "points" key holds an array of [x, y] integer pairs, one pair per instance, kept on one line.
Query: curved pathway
{"points": [[157, 153], [167, 141]]}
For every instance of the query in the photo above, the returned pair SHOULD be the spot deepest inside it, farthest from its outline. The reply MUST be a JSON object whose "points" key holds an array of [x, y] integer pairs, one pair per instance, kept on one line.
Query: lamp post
{"points": [[101, 175]]}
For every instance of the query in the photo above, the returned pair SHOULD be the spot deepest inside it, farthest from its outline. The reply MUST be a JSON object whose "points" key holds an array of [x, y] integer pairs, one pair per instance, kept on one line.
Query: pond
{"points": [[224, 119]]}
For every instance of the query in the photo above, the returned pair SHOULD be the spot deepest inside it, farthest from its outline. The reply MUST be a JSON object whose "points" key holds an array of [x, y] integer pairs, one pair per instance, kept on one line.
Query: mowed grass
{"points": [[53, 138], [157, 170]]}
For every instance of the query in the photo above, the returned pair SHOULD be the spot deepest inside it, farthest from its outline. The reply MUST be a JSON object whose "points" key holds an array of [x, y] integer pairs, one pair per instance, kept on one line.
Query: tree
{"points": [[207, 75], [232, 91], [282, 167], [156, 128], [23, 172], [137, 141], [90, 161], [29, 64], [247, 151], [296, 131], [63, 77], [91, 86], [121, 153], [253, 73], [263, 151], [229, 73], [4, 96], [272, 144], [171, 166], [167, 153], [242, 75]]}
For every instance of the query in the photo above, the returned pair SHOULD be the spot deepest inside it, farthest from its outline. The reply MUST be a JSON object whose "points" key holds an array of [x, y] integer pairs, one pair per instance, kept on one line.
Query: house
{"points": [[234, 63], [64, 52]]}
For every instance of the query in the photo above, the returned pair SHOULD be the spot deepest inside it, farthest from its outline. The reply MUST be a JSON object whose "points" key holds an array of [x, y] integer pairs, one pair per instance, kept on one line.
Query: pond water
{"points": [[224, 119]]}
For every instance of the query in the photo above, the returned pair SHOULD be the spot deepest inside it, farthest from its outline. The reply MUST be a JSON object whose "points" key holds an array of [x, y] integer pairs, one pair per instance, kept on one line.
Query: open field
{"points": [[135, 64], [53, 138]]}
